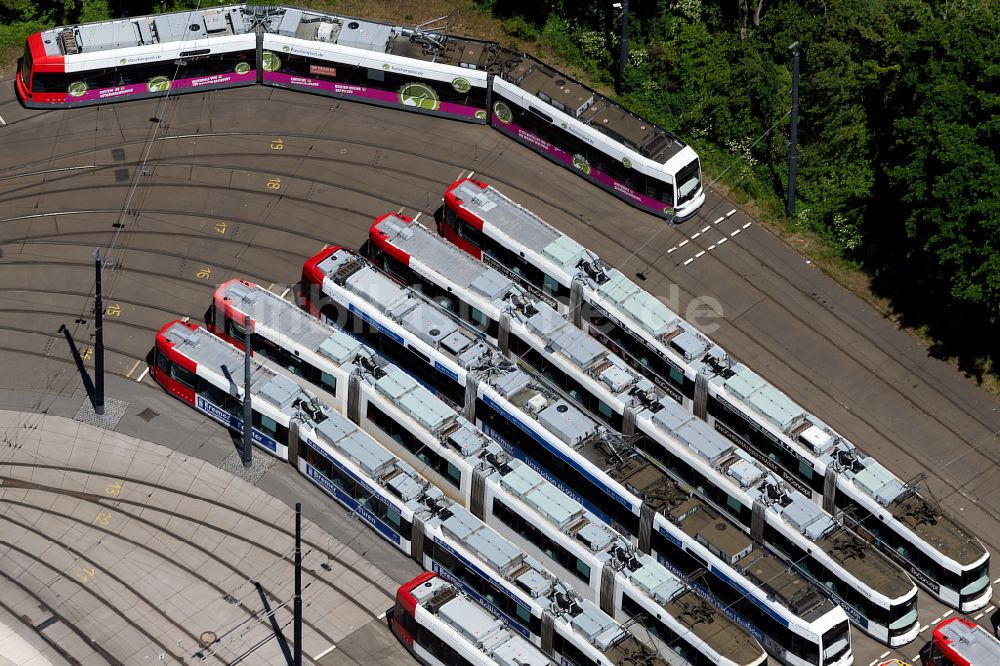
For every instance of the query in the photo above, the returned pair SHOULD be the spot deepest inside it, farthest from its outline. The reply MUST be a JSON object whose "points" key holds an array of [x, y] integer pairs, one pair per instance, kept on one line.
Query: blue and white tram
{"points": [[293, 424], [793, 621], [941, 555], [472, 469], [878, 595]]}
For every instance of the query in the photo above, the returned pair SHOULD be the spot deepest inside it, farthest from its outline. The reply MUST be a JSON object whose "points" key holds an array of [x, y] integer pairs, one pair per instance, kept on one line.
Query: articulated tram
{"points": [[440, 626], [413, 69], [794, 621], [472, 469], [294, 425], [877, 595], [808, 454]]}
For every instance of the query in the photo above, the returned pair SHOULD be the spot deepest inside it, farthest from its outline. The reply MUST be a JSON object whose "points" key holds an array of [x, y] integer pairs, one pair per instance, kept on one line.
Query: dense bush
{"points": [[898, 127]]}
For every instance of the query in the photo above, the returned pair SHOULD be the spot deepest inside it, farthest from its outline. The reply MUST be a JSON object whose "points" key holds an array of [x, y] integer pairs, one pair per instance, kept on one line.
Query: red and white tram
{"points": [[442, 627], [959, 642]]}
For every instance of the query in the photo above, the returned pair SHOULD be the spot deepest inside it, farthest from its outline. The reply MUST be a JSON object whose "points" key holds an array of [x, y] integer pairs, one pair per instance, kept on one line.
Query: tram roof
{"points": [[531, 75], [429, 323], [420, 43], [629, 302], [294, 328], [970, 641], [298, 328], [691, 514], [856, 556], [635, 305], [589, 357], [215, 354], [476, 625], [580, 432], [147, 30], [649, 576]]}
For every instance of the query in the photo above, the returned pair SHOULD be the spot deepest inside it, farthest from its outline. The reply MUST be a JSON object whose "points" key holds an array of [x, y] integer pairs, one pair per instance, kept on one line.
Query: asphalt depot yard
{"points": [[248, 183]]}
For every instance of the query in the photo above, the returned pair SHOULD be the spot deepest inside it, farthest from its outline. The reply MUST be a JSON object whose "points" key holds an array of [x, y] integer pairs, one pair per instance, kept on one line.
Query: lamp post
{"points": [[792, 155], [623, 56], [98, 336]]}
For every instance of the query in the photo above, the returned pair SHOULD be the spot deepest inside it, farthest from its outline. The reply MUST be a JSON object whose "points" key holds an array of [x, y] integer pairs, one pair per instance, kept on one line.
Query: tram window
{"points": [[733, 505], [805, 648], [478, 319], [376, 74], [328, 382], [392, 516], [470, 233], [163, 362], [453, 474], [550, 285], [213, 394], [234, 330], [404, 619], [185, 377], [319, 461], [442, 556], [571, 654], [450, 217], [26, 67]]}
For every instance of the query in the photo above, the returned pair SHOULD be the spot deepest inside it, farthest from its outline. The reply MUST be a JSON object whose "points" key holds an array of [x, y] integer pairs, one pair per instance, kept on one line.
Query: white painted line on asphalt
{"points": [[143, 375], [382, 616], [736, 232], [325, 652], [747, 225], [978, 616], [471, 174], [884, 655], [874, 661], [269, 287], [922, 629], [935, 621], [671, 249], [711, 247], [699, 254], [2, 121], [185, 319], [722, 240], [730, 213], [996, 581], [705, 229], [398, 212], [719, 220], [947, 613], [683, 243], [688, 261], [695, 235], [285, 292], [136, 365], [989, 610], [417, 216]]}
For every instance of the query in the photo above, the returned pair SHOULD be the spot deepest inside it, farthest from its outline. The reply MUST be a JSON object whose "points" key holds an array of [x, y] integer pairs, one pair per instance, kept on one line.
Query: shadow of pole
{"points": [[88, 384], [282, 642]]}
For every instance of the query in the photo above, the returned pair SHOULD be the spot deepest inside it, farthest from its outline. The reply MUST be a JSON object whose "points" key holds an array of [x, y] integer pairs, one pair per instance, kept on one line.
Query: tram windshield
{"points": [[835, 643], [26, 67]]}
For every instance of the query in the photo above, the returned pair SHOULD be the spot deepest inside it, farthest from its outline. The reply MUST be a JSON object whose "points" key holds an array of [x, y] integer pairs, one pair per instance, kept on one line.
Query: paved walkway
{"points": [[16, 651], [117, 550]]}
